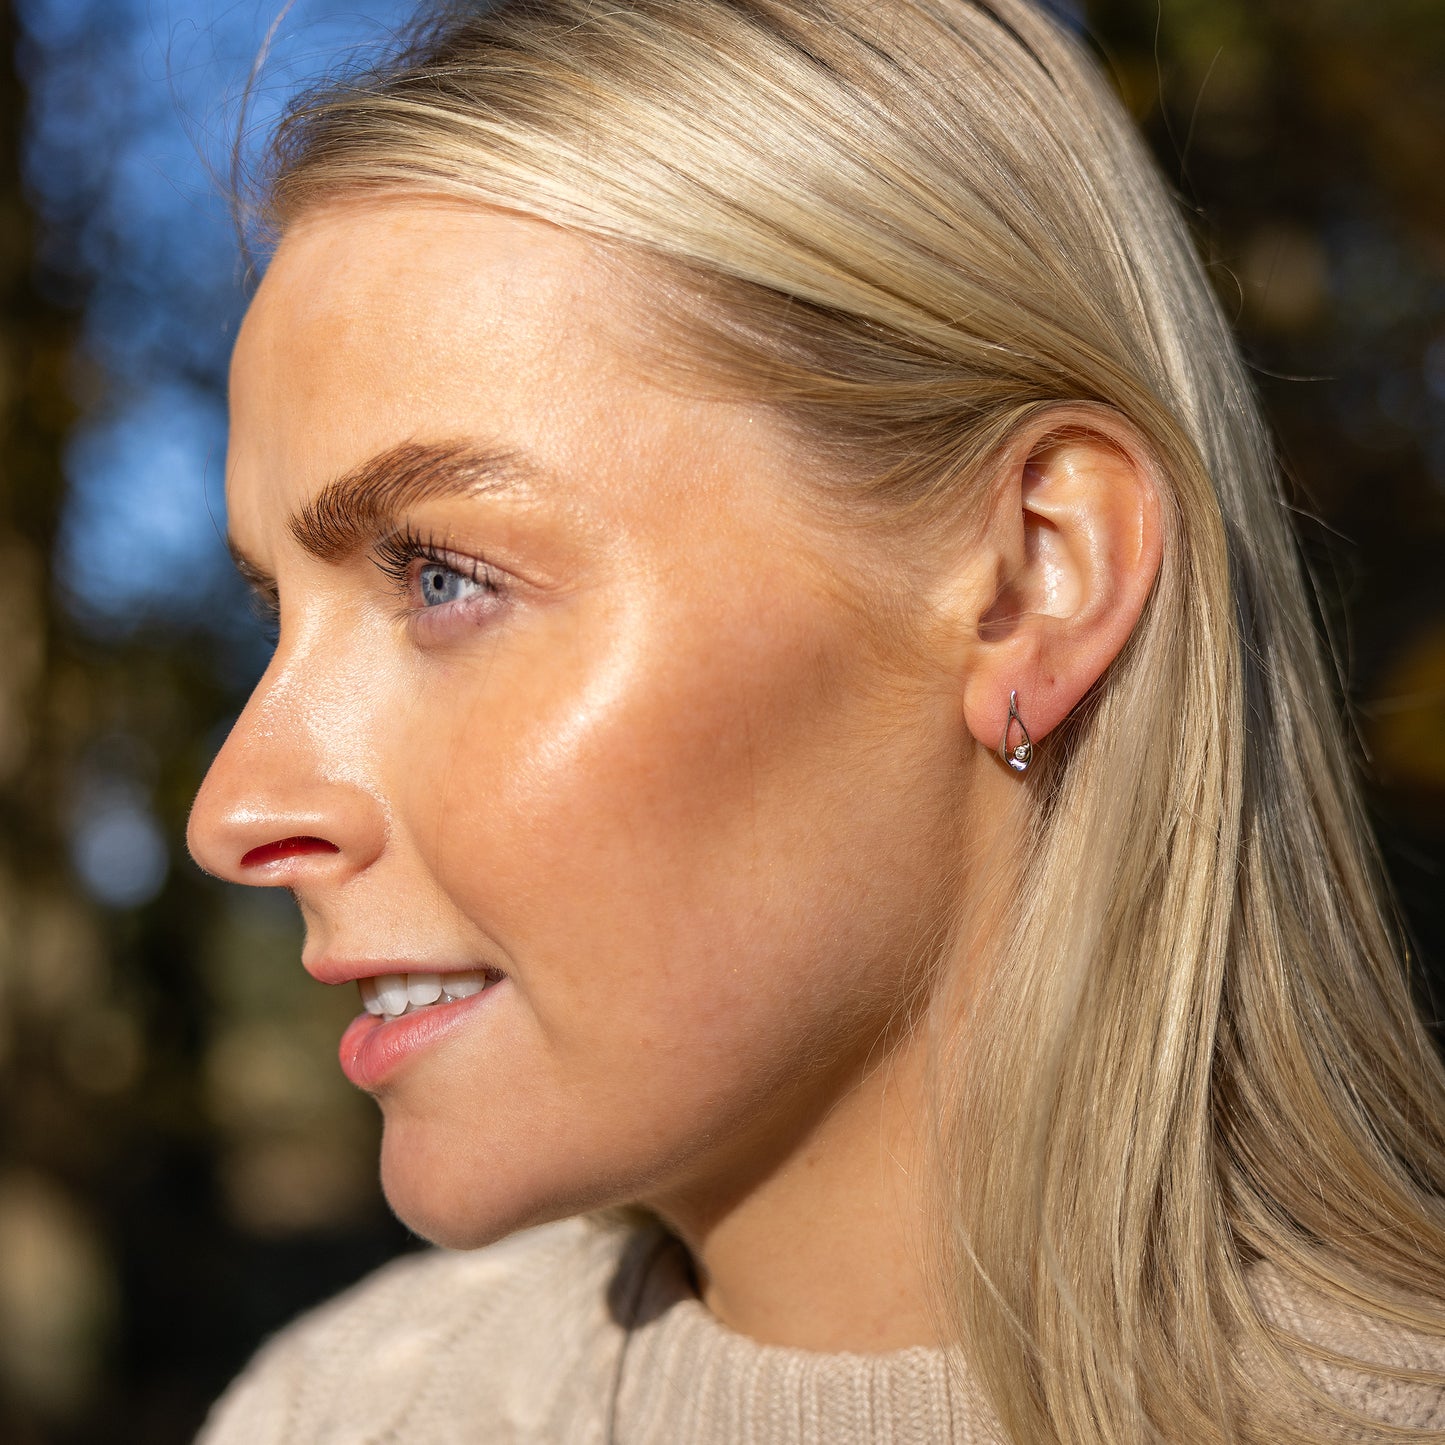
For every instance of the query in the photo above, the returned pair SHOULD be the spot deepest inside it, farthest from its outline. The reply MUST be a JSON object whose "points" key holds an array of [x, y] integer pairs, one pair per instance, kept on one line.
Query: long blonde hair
{"points": [[908, 225]]}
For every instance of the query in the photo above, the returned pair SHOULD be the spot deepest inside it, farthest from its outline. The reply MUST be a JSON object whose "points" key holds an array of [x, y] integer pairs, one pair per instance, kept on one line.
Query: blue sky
{"points": [[134, 104], [133, 107]]}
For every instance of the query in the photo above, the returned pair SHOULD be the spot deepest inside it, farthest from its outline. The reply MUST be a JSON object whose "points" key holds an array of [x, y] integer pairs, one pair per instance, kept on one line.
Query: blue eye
{"points": [[416, 565], [440, 584]]}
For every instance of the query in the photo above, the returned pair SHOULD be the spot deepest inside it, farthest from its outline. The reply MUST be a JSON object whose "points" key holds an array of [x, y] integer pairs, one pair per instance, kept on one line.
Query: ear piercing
{"points": [[1021, 754]]}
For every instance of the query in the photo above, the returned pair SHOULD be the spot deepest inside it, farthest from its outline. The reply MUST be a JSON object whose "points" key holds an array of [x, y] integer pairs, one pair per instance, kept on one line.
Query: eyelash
{"points": [[266, 609], [397, 554]]}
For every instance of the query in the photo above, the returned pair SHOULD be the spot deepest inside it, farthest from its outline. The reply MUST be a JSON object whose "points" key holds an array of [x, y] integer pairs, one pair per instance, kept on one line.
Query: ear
{"points": [[1071, 545]]}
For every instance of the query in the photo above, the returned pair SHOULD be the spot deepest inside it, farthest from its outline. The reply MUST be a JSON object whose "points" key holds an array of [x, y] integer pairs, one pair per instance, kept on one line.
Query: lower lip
{"points": [[373, 1049]]}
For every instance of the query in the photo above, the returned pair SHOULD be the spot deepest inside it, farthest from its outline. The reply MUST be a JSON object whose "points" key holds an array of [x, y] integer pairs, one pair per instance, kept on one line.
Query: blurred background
{"points": [[182, 1166]]}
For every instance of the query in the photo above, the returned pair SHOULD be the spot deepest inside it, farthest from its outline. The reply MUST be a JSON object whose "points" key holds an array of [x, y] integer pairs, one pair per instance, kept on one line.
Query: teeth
{"points": [[391, 990], [464, 985], [423, 988], [390, 995]]}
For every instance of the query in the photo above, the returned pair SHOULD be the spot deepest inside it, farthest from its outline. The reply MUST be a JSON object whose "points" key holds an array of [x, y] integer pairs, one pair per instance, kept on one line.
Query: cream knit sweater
{"points": [[576, 1334]]}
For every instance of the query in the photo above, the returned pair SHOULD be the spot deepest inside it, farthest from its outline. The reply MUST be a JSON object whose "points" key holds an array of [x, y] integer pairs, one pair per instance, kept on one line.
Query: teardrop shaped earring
{"points": [[1021, 754]]}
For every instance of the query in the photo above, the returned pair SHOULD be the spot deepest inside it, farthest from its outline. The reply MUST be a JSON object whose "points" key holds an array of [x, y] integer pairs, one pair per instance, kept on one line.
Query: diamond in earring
{"points": [[1021, 754]]}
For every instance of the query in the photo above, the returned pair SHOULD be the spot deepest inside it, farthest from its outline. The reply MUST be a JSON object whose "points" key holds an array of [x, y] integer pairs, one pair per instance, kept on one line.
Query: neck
{"points": [[825, 1252]]}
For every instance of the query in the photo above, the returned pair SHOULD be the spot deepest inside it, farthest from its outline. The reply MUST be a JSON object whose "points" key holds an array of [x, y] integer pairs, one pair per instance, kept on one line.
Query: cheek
{"points": [[683, 853]]}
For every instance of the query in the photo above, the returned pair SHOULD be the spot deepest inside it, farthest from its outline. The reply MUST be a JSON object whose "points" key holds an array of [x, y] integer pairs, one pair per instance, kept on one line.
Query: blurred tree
{"points": [[1306, 142], [55, 1294]]}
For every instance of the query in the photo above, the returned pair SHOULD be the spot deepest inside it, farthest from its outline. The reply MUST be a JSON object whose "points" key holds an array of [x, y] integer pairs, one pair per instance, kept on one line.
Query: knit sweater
{"points": [[575, 1334]]}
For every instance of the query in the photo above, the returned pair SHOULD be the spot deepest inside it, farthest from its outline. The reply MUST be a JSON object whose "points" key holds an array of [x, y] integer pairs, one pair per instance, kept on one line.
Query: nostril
{"points": [[286, 848]]}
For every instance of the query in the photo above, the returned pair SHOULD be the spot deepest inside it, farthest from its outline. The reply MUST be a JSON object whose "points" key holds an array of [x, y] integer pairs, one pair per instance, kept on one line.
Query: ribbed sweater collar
{"points": [[684, 1376]]}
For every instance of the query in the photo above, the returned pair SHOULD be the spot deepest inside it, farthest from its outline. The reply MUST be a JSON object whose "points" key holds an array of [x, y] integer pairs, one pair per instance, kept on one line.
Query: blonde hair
{"points": [[909, 225]]}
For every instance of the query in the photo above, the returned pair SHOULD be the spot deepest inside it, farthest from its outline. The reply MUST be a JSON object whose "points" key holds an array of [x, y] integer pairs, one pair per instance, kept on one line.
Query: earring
{"points": [[1022, 753]]}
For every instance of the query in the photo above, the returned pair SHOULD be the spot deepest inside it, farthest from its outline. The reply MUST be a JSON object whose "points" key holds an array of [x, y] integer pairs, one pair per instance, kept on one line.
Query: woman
{"points": [[796, 711]]}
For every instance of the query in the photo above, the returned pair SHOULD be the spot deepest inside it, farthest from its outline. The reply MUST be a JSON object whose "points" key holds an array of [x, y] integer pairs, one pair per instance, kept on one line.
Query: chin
{"points": [[448, 1231], [446, 1203], [460, 1202]]}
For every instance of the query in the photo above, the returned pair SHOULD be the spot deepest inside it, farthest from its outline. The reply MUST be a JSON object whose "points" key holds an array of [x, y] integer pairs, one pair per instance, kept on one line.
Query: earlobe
{"points": [[1077, 534]]}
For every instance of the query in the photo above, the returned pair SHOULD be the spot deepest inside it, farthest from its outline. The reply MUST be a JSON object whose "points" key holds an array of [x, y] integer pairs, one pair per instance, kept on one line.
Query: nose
{"points": [[281, 806]]}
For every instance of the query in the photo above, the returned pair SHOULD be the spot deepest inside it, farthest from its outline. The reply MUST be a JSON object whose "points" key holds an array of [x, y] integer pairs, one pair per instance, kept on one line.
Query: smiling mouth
{"points": [[391, 995]]}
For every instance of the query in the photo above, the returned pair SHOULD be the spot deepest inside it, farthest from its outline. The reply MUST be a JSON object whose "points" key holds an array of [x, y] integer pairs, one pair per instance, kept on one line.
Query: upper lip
{"points": [[348, 970]]}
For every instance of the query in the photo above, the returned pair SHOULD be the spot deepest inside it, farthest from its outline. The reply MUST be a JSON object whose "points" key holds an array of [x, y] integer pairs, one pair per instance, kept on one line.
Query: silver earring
{"points": [[1021, 754]]}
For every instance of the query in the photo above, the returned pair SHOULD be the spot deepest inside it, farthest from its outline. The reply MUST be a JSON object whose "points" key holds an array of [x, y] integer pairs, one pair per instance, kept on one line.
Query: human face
{"points": [[618, 725]]}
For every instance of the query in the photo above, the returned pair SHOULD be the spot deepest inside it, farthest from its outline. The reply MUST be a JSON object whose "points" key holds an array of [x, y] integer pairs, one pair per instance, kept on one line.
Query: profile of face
{"points": [[576, 696], [641, 786]]}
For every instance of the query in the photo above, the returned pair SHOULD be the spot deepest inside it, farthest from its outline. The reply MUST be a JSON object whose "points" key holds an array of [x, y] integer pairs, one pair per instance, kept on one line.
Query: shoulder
{"points": [[439, 1346], [1384, 1370]]}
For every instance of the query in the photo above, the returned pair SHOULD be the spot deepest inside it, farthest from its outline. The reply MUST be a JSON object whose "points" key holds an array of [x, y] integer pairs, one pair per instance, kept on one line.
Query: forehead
{"points": [[424, 308], [354, 267], [409, 320]]}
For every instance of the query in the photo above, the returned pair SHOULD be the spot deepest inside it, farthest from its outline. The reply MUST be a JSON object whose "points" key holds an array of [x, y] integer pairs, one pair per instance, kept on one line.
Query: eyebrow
{"points": [[353, 510]]}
